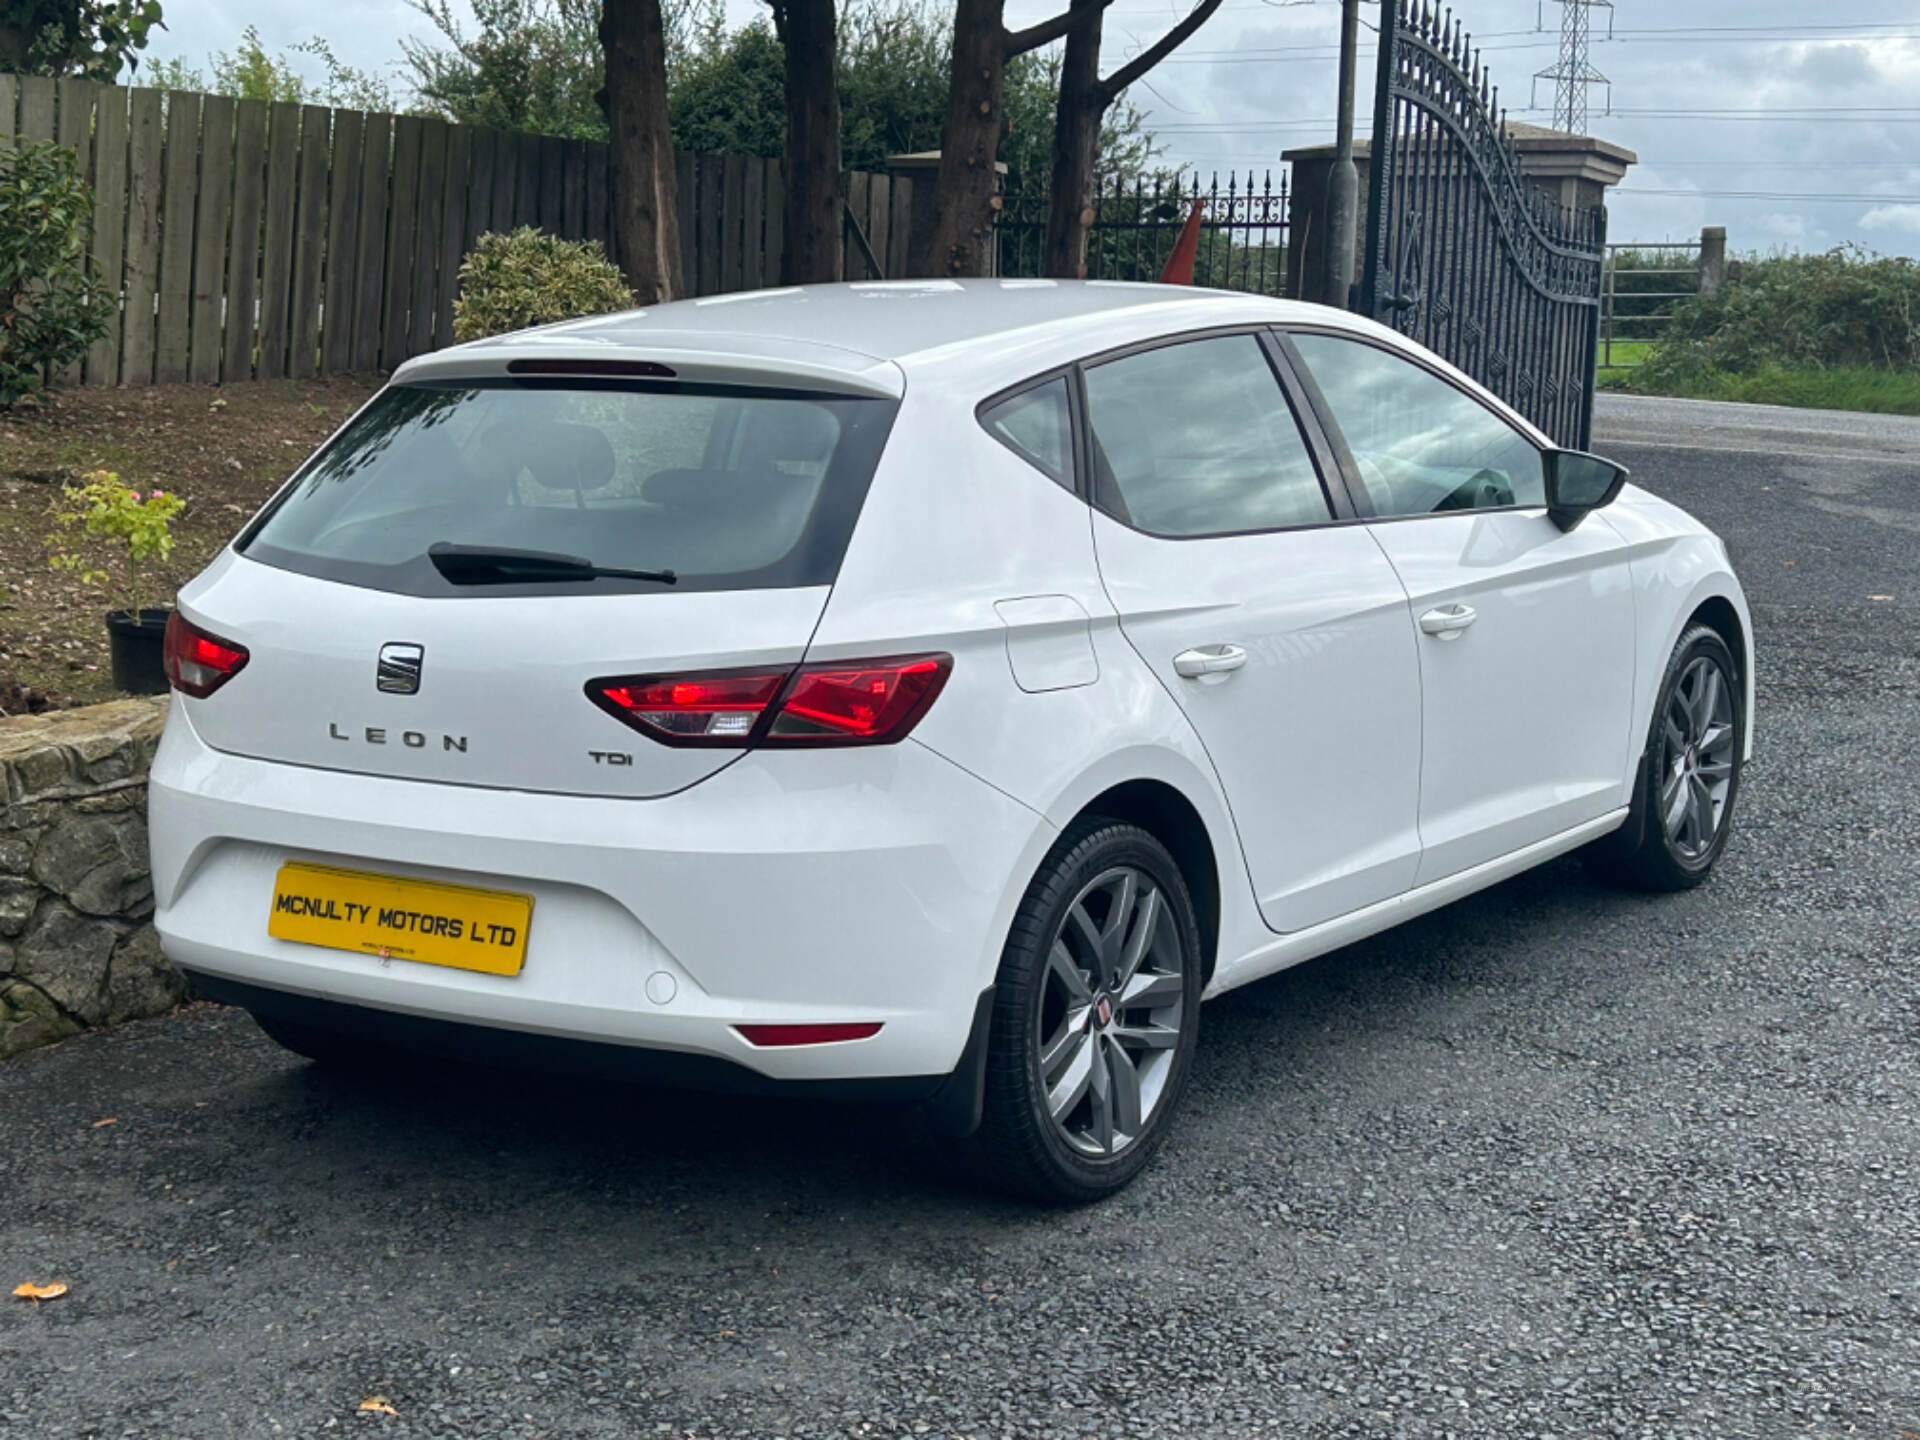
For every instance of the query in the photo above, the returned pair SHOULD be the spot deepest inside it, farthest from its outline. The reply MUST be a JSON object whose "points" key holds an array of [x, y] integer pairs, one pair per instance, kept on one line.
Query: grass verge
{"points": [[1864, 388]]}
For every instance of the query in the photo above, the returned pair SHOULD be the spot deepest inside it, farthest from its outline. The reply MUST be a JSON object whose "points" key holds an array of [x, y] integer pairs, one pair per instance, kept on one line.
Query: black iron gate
{"points": [[1462, 254]]}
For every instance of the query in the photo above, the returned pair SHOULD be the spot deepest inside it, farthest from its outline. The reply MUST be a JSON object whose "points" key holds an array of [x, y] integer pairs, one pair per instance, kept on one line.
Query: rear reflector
{"points": [[858, 702], [769, 1036], [197, 663]]}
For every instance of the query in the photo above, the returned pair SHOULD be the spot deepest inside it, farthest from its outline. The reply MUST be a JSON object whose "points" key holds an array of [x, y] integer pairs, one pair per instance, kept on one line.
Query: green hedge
{"points": [[1844, 309]]}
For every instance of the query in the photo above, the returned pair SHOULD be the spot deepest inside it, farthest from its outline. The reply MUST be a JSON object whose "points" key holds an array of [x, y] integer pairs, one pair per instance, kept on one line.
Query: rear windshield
{"points": [[731, 489]]}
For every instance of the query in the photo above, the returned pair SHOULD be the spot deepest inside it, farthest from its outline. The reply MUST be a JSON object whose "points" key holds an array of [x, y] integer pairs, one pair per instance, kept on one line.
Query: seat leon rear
{"points": [[922, 692]]}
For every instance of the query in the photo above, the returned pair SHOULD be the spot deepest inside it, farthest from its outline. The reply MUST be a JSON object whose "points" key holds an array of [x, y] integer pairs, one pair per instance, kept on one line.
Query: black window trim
{"points": [[1074, 484], [1333, 486], [1352, 479]]}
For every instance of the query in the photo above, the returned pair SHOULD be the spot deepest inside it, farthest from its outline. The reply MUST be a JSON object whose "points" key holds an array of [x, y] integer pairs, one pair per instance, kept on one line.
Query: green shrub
{"points": [[509, 282], [52, 305], [1846, 308]]}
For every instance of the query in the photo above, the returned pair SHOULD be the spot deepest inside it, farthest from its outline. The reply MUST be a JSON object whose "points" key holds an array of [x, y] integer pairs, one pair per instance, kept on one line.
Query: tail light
{"points": [[858, 702], [197, 663]]}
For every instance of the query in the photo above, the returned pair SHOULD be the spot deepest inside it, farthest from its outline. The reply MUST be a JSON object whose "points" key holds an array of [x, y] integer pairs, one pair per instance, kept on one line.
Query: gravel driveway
{"points": [[1555, 1161]]}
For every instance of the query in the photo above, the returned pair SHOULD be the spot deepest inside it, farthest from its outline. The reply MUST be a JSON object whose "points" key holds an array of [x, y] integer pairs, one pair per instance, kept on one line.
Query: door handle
{"points": [[1448, 622], [1208, 660]]}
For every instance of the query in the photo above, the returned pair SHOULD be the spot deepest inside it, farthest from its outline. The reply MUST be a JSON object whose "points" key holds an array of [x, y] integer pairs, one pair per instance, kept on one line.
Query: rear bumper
{"points": [[867, 884]]}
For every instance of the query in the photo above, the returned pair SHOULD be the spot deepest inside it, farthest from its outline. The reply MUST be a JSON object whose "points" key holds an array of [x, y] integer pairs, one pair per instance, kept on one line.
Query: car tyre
{"points": [[1689, 774], [1096, 1015]]}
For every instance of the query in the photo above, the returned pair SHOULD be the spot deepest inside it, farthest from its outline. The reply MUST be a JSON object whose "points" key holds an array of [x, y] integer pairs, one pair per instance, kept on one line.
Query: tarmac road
{"points": [[1557, 1161]]}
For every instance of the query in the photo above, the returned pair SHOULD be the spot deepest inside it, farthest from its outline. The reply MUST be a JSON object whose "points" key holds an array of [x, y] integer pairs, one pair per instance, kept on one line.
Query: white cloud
{"points": [[1892, 217]]}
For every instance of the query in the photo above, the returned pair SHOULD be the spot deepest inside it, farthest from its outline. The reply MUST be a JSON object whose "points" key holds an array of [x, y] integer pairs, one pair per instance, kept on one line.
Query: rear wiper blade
{"points": [[488, 565]]}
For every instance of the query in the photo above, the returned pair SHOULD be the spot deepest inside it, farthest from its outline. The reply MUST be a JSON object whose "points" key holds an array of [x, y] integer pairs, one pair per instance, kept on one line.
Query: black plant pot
{"points": [[138, 648]]}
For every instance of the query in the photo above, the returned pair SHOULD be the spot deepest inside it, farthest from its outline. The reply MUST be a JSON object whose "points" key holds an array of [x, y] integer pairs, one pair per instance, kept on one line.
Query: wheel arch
{"points": [[1171, 818]]}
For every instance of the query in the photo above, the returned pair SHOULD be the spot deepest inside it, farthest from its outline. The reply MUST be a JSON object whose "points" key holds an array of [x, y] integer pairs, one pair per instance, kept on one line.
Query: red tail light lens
{"points": [[868, 704], [863, 702], [768, 1036], [722, 708], [197, 663]]}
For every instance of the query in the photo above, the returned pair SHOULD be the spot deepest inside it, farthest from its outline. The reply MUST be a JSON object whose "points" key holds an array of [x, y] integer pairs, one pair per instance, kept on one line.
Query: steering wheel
{"points": [[1486, 490]]}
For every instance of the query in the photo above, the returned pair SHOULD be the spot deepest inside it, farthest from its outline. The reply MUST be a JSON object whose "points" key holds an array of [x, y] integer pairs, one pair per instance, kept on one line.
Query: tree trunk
{"points": [[964, 207], [646, 224], [15, 42], [1084, 98], [812, 162], [1076, 140]]}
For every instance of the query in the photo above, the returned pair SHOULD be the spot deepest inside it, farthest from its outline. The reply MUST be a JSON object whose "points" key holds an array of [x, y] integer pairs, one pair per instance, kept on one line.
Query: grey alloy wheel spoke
{"points": [[1100, 1125], [1146, 1037], [1072, 979], [1145, 922], [1706, 695], [1076, 1075], [1152, 990], [1057, 1052], [1089, 934], [1703, 825], [1674, 802], [1125, 1082]]}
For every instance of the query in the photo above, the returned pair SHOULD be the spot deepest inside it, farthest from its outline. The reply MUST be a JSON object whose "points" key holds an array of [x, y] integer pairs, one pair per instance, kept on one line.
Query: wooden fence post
{"points": [[343, 242], [109, 244], [143, 239], [276, 260], [174, 326], [371, 261], [215, 200]]}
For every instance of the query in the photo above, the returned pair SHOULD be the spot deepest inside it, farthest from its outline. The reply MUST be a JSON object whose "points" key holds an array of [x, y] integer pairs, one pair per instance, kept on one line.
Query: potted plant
{"points": [[136, 527]]}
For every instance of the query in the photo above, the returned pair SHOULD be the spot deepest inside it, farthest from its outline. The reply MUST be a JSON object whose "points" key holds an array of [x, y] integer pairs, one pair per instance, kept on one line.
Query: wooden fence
{"points": [[253, 241]]}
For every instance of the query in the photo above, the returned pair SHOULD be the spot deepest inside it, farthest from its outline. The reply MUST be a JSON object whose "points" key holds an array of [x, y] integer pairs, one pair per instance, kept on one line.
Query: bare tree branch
{"points": [[1159, 50], [1018, 42]]}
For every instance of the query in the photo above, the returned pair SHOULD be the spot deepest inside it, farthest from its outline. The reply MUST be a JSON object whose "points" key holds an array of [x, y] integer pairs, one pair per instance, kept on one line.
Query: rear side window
{"points": [[1197, 438], [729, 488], [1037, 425]]}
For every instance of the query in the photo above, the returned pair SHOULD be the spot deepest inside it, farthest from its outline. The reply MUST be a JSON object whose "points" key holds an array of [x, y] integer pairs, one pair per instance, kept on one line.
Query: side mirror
{"points": [[1578, 483]]}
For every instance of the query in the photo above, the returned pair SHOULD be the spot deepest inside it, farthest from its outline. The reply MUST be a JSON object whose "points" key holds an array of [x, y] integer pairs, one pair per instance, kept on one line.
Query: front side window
{"points": [[1197, 438], [1422, 446], [729, 489], [1037, 425]]}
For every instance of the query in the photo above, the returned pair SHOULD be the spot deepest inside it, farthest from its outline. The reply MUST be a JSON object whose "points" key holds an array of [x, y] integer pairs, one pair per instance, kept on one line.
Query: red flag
{"points": [[1179, 269]]}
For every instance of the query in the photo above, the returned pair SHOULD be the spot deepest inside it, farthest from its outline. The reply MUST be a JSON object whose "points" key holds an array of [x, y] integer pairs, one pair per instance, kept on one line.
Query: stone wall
{"points": [[77, 946]]}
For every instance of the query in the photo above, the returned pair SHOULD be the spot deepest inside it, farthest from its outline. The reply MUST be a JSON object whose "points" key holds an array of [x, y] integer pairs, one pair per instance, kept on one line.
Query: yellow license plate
{"points": [[396, 919]]}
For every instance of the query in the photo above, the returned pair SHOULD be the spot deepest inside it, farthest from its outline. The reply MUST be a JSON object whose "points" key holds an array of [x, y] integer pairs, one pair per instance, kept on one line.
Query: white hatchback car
{"points": [[917, 690]]}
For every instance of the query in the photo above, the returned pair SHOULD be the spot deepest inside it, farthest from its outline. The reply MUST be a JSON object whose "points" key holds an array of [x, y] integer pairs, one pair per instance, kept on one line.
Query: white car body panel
{"points": [[500, 700], [879, 883], [1330, 668], [1526, 715]]}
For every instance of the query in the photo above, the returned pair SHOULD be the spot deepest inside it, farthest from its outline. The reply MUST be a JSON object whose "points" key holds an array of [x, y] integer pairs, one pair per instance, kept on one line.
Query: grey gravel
{"points": [[1558, 1161]]}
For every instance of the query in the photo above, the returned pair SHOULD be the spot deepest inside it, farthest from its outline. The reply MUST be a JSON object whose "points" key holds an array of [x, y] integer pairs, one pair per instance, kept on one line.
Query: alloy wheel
{"points": [[1112, 1003], [1697, 759]]}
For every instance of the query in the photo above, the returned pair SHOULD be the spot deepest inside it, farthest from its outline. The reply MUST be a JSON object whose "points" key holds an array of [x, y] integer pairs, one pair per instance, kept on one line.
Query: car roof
{"points": [[856, 333]]}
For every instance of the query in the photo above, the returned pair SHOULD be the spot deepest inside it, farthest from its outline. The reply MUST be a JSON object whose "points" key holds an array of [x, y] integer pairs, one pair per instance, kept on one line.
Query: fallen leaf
{"points": [[1880, 597], [378, 1405], [111, 1119], [30, 1291]]}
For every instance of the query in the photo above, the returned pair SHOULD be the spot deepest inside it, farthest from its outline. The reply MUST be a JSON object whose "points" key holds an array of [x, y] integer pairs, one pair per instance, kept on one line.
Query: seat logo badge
{"points": [[399, 669]]}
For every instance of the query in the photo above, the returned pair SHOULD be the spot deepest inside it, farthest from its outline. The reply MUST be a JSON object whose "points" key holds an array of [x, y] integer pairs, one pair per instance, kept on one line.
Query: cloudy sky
{"points": [[1794, 125]]}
